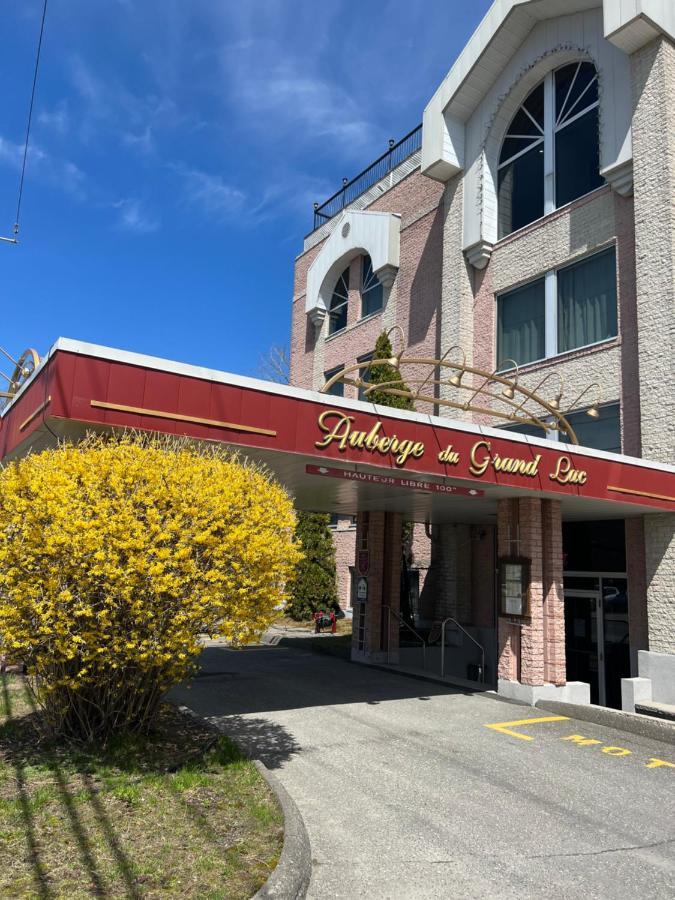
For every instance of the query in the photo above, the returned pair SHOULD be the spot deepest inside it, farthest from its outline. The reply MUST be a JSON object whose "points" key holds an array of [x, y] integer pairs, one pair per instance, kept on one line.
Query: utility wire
{"points": [[30, 118]]}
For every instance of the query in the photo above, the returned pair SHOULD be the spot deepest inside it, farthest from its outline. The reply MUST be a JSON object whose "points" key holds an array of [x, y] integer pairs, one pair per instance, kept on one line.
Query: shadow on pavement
{"points": [[265, 679], [261, 739]]}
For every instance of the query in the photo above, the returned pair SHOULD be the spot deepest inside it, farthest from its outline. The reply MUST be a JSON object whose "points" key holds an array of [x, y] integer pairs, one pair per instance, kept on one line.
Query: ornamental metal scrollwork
{"points": [[496, 394]]}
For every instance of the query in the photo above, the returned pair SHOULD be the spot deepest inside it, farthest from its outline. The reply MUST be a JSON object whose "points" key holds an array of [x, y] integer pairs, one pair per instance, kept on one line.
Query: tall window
{"points": [[568, 308], [337, 314], [372, 292], [587, 302], [521, 324], [550, 154]]}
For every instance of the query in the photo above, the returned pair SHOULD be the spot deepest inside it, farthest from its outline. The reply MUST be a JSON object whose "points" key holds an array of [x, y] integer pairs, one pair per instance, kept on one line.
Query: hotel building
{"points": [[526, 228]]}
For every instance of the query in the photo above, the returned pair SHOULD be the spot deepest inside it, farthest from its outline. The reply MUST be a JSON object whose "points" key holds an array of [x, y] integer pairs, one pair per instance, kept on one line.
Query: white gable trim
{"points": [[356, 232], [628, 25]]}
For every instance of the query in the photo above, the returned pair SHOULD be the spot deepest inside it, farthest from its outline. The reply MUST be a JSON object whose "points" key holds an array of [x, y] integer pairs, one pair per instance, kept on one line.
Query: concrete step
{"points": [[660, 710]]}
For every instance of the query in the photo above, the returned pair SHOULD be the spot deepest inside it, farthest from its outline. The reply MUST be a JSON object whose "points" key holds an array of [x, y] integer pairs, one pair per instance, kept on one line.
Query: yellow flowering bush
{"points": [[117, 553]]}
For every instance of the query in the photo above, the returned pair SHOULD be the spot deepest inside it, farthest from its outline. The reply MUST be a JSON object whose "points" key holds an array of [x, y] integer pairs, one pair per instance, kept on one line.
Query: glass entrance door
{"points": [[615, 631], [582, 642], [596, 633]]}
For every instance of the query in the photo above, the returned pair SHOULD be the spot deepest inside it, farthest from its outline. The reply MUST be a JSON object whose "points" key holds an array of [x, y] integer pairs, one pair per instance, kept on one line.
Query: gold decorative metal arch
{"points": [[24, 367], [507, 399]]}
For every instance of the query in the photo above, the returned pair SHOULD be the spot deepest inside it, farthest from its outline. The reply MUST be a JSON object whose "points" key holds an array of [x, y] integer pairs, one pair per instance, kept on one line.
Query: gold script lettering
{"points": [[478, 465], [339, 432], [566, 474], [449, 456], [337, 428], [514, 466]]}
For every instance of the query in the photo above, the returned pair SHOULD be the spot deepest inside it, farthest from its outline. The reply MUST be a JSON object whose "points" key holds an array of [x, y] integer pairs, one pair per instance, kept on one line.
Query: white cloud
{"points": [[45, 167], [133, 217], [143, 141], [210, 193], [57, 119], [109, 107]]}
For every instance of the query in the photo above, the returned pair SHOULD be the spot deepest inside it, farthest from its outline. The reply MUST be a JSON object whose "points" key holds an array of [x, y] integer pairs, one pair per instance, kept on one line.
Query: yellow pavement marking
{"points": [[505, 727], [657, 763], [581, 740]]}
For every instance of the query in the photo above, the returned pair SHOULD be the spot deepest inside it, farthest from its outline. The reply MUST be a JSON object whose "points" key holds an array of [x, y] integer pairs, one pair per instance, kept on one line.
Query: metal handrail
{"points": [[470, 637], [397, 153], [403, 622]]}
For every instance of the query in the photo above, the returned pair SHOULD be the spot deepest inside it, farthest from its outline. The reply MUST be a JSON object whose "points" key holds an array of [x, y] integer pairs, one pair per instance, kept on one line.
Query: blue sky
{"points": [[177, 148]]}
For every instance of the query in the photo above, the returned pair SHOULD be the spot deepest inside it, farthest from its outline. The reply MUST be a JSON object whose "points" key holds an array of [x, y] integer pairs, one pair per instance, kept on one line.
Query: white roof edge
{"points": [[660, 14], [82, 348], [491, 23]]}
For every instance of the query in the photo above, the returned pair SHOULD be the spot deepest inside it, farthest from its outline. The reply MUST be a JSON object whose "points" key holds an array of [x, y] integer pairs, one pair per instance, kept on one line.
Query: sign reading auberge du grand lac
{"points": [[338, 429]]}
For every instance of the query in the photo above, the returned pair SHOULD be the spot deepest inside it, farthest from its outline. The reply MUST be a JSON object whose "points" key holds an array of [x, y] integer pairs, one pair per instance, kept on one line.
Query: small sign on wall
{"points": [[362, 589], [363, 562], [514, 586]]}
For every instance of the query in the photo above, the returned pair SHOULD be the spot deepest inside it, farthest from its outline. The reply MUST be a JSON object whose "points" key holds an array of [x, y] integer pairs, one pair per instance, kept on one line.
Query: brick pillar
{"points": [[532, 651], [554, 604], [532, 634], [508, 634], [380, 534]]}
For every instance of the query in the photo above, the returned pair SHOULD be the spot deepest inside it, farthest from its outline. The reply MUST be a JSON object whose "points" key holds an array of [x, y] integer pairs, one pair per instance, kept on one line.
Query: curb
{"points": [[290, 878], [644, 726]]}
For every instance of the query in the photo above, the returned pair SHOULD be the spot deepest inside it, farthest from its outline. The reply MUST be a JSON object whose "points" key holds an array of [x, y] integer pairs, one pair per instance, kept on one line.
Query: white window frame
{"points": [[551, 128], [551, 311]]}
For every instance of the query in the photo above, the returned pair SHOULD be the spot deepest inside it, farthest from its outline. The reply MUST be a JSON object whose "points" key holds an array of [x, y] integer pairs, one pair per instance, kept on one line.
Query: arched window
{"points": [[550, 154], [372, 292], [337, 314]]}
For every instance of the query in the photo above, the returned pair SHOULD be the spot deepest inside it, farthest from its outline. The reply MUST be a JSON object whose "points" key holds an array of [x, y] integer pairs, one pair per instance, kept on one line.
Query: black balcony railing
{"points": [[350, 190]]}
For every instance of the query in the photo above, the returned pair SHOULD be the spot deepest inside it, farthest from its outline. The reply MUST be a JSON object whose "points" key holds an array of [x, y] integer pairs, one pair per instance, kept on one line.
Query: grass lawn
{"points": [[177, 814]]}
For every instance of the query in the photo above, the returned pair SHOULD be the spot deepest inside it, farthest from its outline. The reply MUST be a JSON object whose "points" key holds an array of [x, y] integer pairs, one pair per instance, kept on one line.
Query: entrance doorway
{"points": [[596, 633]]}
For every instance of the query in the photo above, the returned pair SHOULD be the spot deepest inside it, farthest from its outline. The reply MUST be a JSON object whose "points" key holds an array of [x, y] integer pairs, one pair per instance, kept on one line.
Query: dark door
{"points": [[615, 633], [581, 640]]}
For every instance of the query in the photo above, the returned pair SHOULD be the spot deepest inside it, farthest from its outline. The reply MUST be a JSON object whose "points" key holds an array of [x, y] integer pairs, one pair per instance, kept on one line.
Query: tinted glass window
{"points": [[576, 88], [577, 159], [587, 302], [601, 434], [338, 389], [520, 190], [372, 292], [337, 314], [521, 325], [529, 430], [594, 546]]}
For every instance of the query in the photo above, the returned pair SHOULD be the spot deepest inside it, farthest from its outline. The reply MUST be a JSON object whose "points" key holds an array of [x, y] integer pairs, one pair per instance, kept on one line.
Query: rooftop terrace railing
{"points": [[397, 153]]}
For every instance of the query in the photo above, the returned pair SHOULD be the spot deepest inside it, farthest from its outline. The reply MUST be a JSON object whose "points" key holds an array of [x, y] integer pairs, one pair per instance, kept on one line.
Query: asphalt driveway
{"points": [[406, 793]]}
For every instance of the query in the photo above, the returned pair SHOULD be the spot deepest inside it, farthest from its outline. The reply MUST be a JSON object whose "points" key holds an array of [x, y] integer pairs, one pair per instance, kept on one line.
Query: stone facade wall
{"points": [[457, 319], [654, 180], [600, 220]]}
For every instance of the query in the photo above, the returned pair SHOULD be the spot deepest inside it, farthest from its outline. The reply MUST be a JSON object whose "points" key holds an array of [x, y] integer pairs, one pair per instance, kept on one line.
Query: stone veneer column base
{"points": [[572, 692]]}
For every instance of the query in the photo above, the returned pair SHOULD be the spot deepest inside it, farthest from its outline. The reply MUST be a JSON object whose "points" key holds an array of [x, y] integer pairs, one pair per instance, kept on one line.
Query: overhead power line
{"points": [[13, 240]]}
